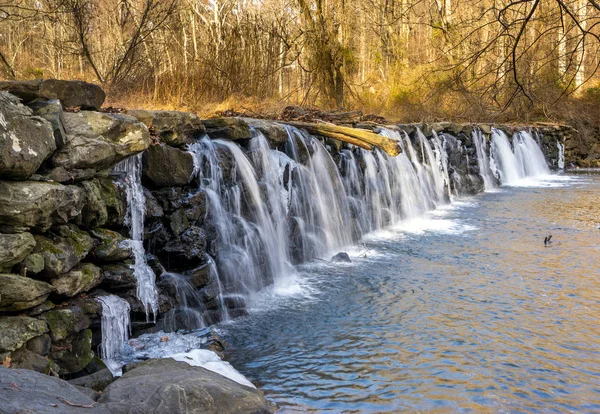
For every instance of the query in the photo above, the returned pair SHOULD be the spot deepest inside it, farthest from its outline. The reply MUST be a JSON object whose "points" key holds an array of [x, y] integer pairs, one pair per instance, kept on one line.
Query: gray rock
{"points": [[31, 265], [19, 293], [190, 246], [174, 128], [118, 276], [227, 128], [111, 247], [14, 248], [67, 247], [25, 359], [97, 381], [272, 130], [38, 205], [25, 391], [341, 257], [98, 140], [25, 141], [52, 112], [167, 386], [165, 166], [70, 93], [80, 279], [17, 330], [40, 345]]}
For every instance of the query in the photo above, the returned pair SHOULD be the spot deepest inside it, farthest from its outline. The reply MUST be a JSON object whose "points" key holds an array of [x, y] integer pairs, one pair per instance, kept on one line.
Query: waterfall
{"points": [[561, 155], [136, 210], [115, 331], [188, 312], [483, 161], [526, 160]]}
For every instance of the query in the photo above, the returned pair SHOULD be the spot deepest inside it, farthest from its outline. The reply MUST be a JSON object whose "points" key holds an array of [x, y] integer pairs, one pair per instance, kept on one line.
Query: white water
{"points": [[136, 210], [517, 162], [483, 161], [561, 155], [115, 325]]}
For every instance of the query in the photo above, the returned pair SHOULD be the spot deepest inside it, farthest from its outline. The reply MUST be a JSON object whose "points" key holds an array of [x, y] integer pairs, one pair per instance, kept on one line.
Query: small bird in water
{"points": [[547, 240]]}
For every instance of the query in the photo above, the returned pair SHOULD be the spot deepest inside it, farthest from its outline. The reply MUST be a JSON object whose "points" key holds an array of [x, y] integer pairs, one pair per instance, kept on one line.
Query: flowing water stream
{"points": [[463, 309]]}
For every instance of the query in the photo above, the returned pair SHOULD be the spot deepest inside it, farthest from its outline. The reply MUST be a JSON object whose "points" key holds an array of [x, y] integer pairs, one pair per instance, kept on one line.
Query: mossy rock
{"points": [[14, 248], [17, 330], [18, 293], [64, 322], [67, 247], [73, 353], [111, 248], [80, 279]]}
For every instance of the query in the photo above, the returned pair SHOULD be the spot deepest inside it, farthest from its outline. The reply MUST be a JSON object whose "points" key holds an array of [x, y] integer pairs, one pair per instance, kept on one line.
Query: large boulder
{"points": [[165, 166], [80, 279], [97, 140], [70, 93], [187, 249], [174, 128], [17, 330], [25, 140], [38, 205], [168, 386], [19, 293], [26, 391], [14, 248]]}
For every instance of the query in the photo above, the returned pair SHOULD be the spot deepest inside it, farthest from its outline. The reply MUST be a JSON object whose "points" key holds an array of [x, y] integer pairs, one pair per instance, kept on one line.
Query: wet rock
{"points": [[39, 345], [165, 166], [118, 276], [98, 140], [80, 279], [14, 248], [174, 128], [200, 276], [25, 141], [178, 222], [189, 247], [341, 257], [97, 381], [17, 330], [234, 302], [20, 293], [156, 386], [111, 247], [38, 205], [74, 353], [24, 390], [227, 128], [153, 207], [52, 112], [196, 208], [64, 322]]}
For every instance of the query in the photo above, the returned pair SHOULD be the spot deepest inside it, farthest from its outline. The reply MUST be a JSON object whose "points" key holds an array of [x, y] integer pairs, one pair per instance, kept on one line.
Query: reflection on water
{"points": [[471, 313]]}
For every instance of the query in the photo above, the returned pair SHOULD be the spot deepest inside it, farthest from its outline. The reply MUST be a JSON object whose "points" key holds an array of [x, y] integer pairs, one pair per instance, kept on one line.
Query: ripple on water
{"points": [[465, 311]]}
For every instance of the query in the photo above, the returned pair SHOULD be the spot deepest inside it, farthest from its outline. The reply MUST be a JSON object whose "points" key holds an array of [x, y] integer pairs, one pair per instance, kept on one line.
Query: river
{"points": [[464, 309]]}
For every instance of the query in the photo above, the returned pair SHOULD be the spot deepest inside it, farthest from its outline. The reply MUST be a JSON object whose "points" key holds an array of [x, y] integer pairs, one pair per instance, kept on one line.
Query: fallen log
{"points": [[351, 136]]}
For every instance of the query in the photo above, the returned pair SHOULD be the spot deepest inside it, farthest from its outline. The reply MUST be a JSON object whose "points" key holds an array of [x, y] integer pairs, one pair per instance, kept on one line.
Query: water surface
{"points": [[464, 309]]}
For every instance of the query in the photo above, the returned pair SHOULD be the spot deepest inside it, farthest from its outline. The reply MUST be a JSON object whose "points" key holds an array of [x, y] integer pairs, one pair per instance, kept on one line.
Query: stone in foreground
{"points": [[167, 386], [25, 391]]}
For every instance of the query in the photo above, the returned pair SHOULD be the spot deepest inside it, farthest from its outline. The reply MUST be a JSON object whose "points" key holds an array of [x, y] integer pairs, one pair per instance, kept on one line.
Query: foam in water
{"points": [[136, 209], [561, 155], [115, 324]]}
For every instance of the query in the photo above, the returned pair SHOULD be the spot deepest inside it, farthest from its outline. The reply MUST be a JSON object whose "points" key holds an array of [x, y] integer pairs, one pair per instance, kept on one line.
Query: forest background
{"points": [[408, 60]]}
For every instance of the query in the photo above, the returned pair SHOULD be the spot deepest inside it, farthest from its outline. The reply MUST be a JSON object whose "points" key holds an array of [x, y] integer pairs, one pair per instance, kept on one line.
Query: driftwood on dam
{"points": [[360, 137]]}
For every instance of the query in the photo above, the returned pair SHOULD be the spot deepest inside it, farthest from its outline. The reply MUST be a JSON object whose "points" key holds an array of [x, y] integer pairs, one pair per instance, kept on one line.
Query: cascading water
{"points": [[561, 155], [483, 161], [526, 160], [188, 312], [136, 210], [115, 331]]}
